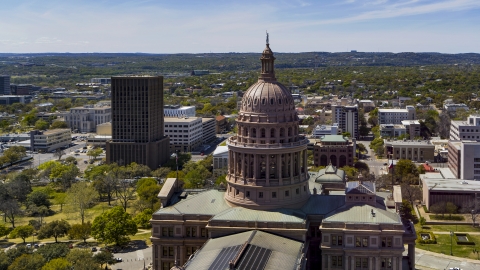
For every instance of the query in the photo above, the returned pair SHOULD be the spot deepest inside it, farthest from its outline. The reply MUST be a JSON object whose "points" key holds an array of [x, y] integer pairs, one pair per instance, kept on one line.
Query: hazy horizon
{"points": [[186, 26]]}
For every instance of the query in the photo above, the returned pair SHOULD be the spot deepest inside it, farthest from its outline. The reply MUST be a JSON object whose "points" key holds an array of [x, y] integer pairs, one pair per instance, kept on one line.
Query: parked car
{"points": [[29, 245]]}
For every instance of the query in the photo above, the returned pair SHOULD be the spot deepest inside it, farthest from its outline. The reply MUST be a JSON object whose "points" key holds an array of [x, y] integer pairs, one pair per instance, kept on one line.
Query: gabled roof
{"points": [[245, 214], [210, 202], [330, 174], [357, 187], [362, 213], [249, 250]]}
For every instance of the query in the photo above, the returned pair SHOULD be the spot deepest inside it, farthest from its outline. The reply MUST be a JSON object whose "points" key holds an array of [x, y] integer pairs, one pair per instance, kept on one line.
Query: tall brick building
{"points": [[137, 122]]}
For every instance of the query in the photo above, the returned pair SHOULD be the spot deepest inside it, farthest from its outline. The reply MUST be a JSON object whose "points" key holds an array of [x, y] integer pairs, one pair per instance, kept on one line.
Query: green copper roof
{"points": [[245, 214], [333, 138], [358, 213], [330, 174], [209, 202]]}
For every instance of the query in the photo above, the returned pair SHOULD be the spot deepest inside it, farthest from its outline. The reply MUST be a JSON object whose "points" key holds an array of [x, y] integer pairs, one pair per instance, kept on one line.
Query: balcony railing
{"points": [[233, 142]]}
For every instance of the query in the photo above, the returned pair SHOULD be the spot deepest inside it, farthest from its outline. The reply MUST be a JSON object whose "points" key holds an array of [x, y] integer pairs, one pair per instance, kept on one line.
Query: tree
{"points": [[104, 257], [53, 251], [114, 226], [3, 230], [95, 152], [71, 160], [56, 228], [105, 180], [470, 207], [41, 124], [363, 131], [28, 262], [451, 208], [439, 208], [405, 167], [346, 134], [58, 124], [61, 198], [362, 167], [406, 211], [22, 232], [82, 259], [57, 264], [80, 231], [38, 198], [59, 153], [147, 190], [11, 209], [161, 172], [125, 192], [411, 193], [80, 197], [361, 148], [143, 219]]}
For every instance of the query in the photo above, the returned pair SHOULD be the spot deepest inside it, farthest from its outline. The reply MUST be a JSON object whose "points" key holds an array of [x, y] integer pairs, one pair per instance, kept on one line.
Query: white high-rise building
{"points": [[395, 116], [347, 119]]}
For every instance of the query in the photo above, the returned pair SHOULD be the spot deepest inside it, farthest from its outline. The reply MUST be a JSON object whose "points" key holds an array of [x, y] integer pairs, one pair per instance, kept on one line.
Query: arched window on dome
{"points": [[272, 133], [282, 132], [264, 100], [263, 169], [262, 133], [289, 131], [279, 101], [245, 131], [256, 101], [271, 101], [254, 132]]}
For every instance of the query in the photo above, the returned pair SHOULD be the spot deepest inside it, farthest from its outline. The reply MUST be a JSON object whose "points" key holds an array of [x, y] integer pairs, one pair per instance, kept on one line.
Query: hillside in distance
{"points": [[121, 63]]}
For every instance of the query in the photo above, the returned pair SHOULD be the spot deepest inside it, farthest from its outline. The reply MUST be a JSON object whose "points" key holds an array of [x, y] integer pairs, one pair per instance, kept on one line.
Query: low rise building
{"points": [[10, 99], [455, 107], [178, 111], [466, 130], [104, 129], [208, 129], [366, 104], [415, 150], [392, 131], [396, 116], [322, 130], [335, 150], [50, 140], [220, 161], [86, 118], [412, 128], [185, 134], [436, 189], [221, 124]]}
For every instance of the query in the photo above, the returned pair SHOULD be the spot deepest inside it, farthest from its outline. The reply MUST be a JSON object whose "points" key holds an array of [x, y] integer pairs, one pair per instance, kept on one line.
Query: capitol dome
{"points": [[267, 158]]}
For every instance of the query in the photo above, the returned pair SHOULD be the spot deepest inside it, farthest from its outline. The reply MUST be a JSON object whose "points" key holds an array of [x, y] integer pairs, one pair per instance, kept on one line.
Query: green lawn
{"points": [[448, 228], [443, 246]]}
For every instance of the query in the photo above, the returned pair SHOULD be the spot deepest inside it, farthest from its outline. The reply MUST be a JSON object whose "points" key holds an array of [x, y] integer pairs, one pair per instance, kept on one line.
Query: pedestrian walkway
{"points": [[431, 260]]}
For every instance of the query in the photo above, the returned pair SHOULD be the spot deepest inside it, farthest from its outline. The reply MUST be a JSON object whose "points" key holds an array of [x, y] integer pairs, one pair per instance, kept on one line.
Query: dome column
{"points": [[292, 160], [279, 169], [267, 170]]}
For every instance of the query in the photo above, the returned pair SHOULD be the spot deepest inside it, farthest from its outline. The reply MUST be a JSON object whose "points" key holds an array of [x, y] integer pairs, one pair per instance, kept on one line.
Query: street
{"points": [[376, 165]]}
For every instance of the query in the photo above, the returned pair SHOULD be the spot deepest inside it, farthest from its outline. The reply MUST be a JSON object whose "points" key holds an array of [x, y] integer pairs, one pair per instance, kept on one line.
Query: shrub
{"points": [[425, 209], [460, 242], [432, 239], [439, 217]]}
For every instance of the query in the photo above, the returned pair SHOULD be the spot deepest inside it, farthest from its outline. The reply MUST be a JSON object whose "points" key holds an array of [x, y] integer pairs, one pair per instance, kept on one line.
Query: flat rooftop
{"points": [[435, 184], [180, 120], [393, 110], [55, 131], [409, 142]]}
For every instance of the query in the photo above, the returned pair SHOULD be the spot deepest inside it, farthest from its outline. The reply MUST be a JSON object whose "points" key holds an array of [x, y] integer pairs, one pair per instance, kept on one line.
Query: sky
{"points": [[219, 26]]}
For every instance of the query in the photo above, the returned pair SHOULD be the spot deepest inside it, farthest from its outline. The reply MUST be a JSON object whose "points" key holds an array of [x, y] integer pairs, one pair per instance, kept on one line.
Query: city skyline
{"points": [[446, 26]]}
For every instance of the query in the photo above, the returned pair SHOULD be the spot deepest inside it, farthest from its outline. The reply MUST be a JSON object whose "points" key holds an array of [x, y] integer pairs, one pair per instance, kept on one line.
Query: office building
{"points": [[267, 207], [322, 130], [186, 134], [466, 130], [178, 111], [464, 159], [392, 131], [455, 107], [347, 119], [9, 99], [86, 118], [5, 85], [21, 89], [220, 161], [101, 80], [415, 150], [208, 129], [396, 116], [412, 127], [50, 140], [137, 122]]}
